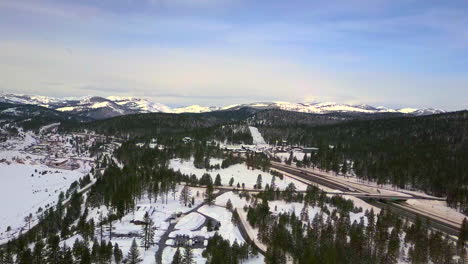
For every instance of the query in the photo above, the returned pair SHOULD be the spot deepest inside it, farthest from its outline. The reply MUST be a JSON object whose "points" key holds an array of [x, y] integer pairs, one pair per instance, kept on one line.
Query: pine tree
{"points": [[24, 258], [273, 183], [67, 256], [231, 181], [38, 253], [133, 256], [117, 254], [177, 259], [229, 205], [53, 249], [148, 232], [188, 255], [258, 185], [209, 195], [393, 250], [185, 195], [85, 256], [344, 168], [217, 180]]}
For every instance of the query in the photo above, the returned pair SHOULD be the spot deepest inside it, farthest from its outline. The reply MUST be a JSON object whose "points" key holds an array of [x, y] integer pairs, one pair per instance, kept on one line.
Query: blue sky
{"points": [[397, 53]]}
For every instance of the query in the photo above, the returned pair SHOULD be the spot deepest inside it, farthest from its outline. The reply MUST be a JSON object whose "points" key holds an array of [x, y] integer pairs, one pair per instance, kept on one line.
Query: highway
{"points": [[391, 202]]}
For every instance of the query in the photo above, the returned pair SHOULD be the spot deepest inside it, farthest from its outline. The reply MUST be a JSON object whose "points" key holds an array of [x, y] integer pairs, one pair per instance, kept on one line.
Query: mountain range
{"points": [[95, 107]]}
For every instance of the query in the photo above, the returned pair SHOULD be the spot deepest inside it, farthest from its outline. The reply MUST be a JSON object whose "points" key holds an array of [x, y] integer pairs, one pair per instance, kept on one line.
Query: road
{"points": [[171, 228], [379, 200]]}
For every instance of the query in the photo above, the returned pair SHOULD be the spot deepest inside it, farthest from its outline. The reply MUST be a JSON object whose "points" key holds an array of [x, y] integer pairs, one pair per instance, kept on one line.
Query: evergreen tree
{"points": [[188, 255], [177, 259], [24, 258], [185, 195], [85, 256], [217, 180], [38, 252], [133, 256], [117, 254], [231, 181], [229, 205], [209, 195], [258, 185], [53, 249], [148, 231], [393, 250]]}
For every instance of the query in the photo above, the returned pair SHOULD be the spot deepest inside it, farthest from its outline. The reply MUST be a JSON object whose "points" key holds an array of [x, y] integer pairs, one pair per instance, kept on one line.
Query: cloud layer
{"points": [[219, 52]]}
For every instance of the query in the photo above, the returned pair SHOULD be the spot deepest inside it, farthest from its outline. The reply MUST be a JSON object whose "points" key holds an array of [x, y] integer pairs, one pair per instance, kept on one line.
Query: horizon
{"points": [[70, 98], [395, 54]]}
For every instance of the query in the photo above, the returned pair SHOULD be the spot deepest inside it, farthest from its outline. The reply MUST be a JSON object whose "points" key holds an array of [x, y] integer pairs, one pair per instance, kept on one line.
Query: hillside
{"points": [[427, 153]]}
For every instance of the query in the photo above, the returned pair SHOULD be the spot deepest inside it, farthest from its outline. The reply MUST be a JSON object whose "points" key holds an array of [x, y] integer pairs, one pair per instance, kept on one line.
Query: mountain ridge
{"points": [[97, 107]]}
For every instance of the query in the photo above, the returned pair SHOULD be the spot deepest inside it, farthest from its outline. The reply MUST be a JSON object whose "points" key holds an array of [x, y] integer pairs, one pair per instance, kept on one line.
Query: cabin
{"points": [[139, 216]]}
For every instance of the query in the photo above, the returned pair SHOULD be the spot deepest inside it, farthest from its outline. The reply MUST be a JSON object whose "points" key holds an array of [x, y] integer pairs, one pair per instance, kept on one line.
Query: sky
{"points": [[394, 53]]}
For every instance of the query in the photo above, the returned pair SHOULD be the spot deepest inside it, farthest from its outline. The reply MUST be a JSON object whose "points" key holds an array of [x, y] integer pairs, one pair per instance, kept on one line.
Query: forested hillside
{"points": [[276, 117], [32, 117], [427, 153], [162, 123]]}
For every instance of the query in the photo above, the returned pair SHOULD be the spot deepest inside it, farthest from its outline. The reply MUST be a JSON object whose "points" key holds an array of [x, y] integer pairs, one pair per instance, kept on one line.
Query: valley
{"points": [[205, 189]]}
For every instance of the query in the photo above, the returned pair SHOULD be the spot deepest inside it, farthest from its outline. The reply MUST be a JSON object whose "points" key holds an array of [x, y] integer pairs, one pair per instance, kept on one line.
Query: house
{"points": [[139, 215]]}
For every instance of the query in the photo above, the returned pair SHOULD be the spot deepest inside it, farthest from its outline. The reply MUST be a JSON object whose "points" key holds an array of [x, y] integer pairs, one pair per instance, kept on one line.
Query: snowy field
{"points": [[24, 191], [239, 172]]}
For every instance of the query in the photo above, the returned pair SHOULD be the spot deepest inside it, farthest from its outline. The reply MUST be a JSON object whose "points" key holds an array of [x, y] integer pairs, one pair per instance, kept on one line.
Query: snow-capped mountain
{"points": [[331, 107], [139, 105], [195, 109], [99, 107]]}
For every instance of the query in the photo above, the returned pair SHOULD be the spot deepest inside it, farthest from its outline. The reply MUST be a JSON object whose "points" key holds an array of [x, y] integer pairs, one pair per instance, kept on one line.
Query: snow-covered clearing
{"points": [[239, 172], [24, 191]]}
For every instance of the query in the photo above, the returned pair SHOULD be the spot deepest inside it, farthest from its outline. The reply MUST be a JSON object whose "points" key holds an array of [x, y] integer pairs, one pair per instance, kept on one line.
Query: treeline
{"points": [[331, 237], [153, 124], [425, 153], [220, 250]]}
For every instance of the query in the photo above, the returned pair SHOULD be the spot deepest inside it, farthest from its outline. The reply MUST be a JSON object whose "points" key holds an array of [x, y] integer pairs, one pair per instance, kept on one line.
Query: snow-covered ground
{"points": [[188, 224], [159, 211], [29, 180], [24, 191], [239, 172]]}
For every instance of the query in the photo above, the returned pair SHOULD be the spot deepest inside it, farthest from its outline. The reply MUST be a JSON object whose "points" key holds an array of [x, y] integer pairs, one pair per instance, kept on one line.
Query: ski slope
{"points": [[257, 137]]}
